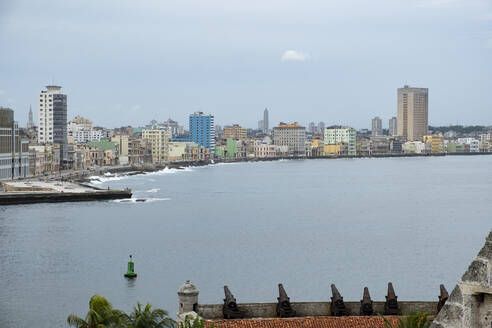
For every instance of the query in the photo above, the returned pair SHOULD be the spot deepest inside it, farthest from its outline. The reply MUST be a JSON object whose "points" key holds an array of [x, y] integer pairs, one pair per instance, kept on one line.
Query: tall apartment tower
{"points": [[393, 127], [202, 130], [377, 127], [265, 121], [413, 111], [52, 116]]}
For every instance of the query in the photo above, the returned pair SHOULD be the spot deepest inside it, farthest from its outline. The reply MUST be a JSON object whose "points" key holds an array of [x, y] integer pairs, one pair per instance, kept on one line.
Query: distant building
{"points": [[202, 130], [260, 125], [30, 120], [14, 151], [80, 130], [393, 127], [173, 126], [292, 137], [266, 126], [52, 115], [342, 135], [121, 141], [413, 111], [377, 127], [159, 143], [312, 128], [321, 127], [235, 132], [471, 142], [436, 142]]}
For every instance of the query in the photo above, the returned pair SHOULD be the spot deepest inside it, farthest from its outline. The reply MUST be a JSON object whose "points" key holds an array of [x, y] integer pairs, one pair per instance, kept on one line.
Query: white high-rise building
{"points": [[393, 127], [52, 118], [377, 127]]}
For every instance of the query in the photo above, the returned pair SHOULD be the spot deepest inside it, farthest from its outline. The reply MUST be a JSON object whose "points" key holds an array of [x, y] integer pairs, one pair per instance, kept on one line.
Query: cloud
{"points": [[294, 55]]}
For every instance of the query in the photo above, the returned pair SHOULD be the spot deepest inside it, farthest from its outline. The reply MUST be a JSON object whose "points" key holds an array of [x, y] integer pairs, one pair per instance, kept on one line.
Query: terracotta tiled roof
{"points": [[305, 322]]}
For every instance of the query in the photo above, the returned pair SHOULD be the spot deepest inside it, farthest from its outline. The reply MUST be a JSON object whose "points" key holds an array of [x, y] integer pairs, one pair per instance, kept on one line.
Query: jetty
{"points": [[34, 191]]}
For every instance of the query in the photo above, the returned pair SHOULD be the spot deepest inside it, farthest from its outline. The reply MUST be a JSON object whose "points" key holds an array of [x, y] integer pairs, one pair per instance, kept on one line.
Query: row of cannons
{"points": [[284, 308]]}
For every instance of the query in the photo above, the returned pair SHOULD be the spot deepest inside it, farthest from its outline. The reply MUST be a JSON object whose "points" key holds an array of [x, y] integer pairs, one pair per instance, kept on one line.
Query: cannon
{"points": [[443, 297], [284, 309], [337, 305], [230, 309], [366, 303], [391, 306]]}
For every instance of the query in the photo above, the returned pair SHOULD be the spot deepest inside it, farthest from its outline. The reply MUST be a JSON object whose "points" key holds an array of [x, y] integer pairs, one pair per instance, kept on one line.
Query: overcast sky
{"points": [[126, 62]]}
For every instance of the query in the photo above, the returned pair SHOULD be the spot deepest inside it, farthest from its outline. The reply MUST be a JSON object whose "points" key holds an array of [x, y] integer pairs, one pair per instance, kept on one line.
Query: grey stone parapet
{"points": [[308, 309]]}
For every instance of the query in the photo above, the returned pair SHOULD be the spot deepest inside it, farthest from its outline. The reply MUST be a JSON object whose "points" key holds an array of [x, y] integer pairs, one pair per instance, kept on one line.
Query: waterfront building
{"points": [[265, 122], [52, 115], [376, 127], [235, 132], [472, 144], [202, 130], [413, 107], [436, 143], [264, 150], [159, 142], [485, 144], [121, 141], [292, 136], [342, 135], [332, 150], [414, 147], [393, 127], [379, 145], [14, 150], [103, 153], [139, 151]]}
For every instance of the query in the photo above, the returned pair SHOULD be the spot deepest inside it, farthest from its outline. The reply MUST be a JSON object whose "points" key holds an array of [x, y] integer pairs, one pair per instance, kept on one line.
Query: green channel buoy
{"points": [[130, 273]]}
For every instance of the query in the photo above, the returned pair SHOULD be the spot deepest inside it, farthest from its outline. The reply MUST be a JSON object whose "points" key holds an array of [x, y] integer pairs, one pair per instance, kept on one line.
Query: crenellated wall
{"points": [[307, 309]]}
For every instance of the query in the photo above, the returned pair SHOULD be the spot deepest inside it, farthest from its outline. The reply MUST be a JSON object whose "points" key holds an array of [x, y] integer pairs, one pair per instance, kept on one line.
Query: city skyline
{"points": [[233, 59]]}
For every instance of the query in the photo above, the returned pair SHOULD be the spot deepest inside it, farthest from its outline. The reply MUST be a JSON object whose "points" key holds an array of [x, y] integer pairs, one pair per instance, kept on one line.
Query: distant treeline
{"points": [[461, 128]]}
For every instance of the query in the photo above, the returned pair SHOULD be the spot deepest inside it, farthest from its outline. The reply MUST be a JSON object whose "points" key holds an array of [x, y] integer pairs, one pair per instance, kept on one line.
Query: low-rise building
{"points": [[103, 153], [414, 147], [436, 142], [342, 135], [472, 143]]}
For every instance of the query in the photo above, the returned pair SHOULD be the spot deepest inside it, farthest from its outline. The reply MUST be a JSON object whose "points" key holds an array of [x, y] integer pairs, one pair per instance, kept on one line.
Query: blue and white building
{"points": [[202, 130]]}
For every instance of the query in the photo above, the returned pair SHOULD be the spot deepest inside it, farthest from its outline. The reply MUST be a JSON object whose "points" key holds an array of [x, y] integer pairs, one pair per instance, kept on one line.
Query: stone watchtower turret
{"points": [[188, 301]]}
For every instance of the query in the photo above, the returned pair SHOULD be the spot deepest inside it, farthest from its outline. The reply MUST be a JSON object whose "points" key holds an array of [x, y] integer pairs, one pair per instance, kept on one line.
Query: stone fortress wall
{"points": [[309, 309]]}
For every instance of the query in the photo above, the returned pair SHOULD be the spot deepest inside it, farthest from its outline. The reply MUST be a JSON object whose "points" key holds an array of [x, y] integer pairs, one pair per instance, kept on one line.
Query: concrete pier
{"points": [[31, 191]]}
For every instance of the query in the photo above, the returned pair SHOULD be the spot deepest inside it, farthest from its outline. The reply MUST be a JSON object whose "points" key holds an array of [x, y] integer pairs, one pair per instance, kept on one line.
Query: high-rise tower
{"points": [[202, 130], [52, 116], [265, 121], [413, 111], [377, 127]]}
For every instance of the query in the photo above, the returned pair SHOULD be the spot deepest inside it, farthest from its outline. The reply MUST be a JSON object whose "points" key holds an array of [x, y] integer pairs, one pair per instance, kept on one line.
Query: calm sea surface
{"points": [[417, 222]]}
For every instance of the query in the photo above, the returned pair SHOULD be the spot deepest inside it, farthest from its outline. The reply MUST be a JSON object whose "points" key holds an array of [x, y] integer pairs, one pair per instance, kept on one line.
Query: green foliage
{"points": [[102, 315], [416, 320], [148, 318], [196, 323]]}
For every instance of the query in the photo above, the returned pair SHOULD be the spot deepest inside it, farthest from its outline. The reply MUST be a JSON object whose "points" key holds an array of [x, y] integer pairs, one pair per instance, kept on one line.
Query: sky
{"points": [[125, 62]]}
